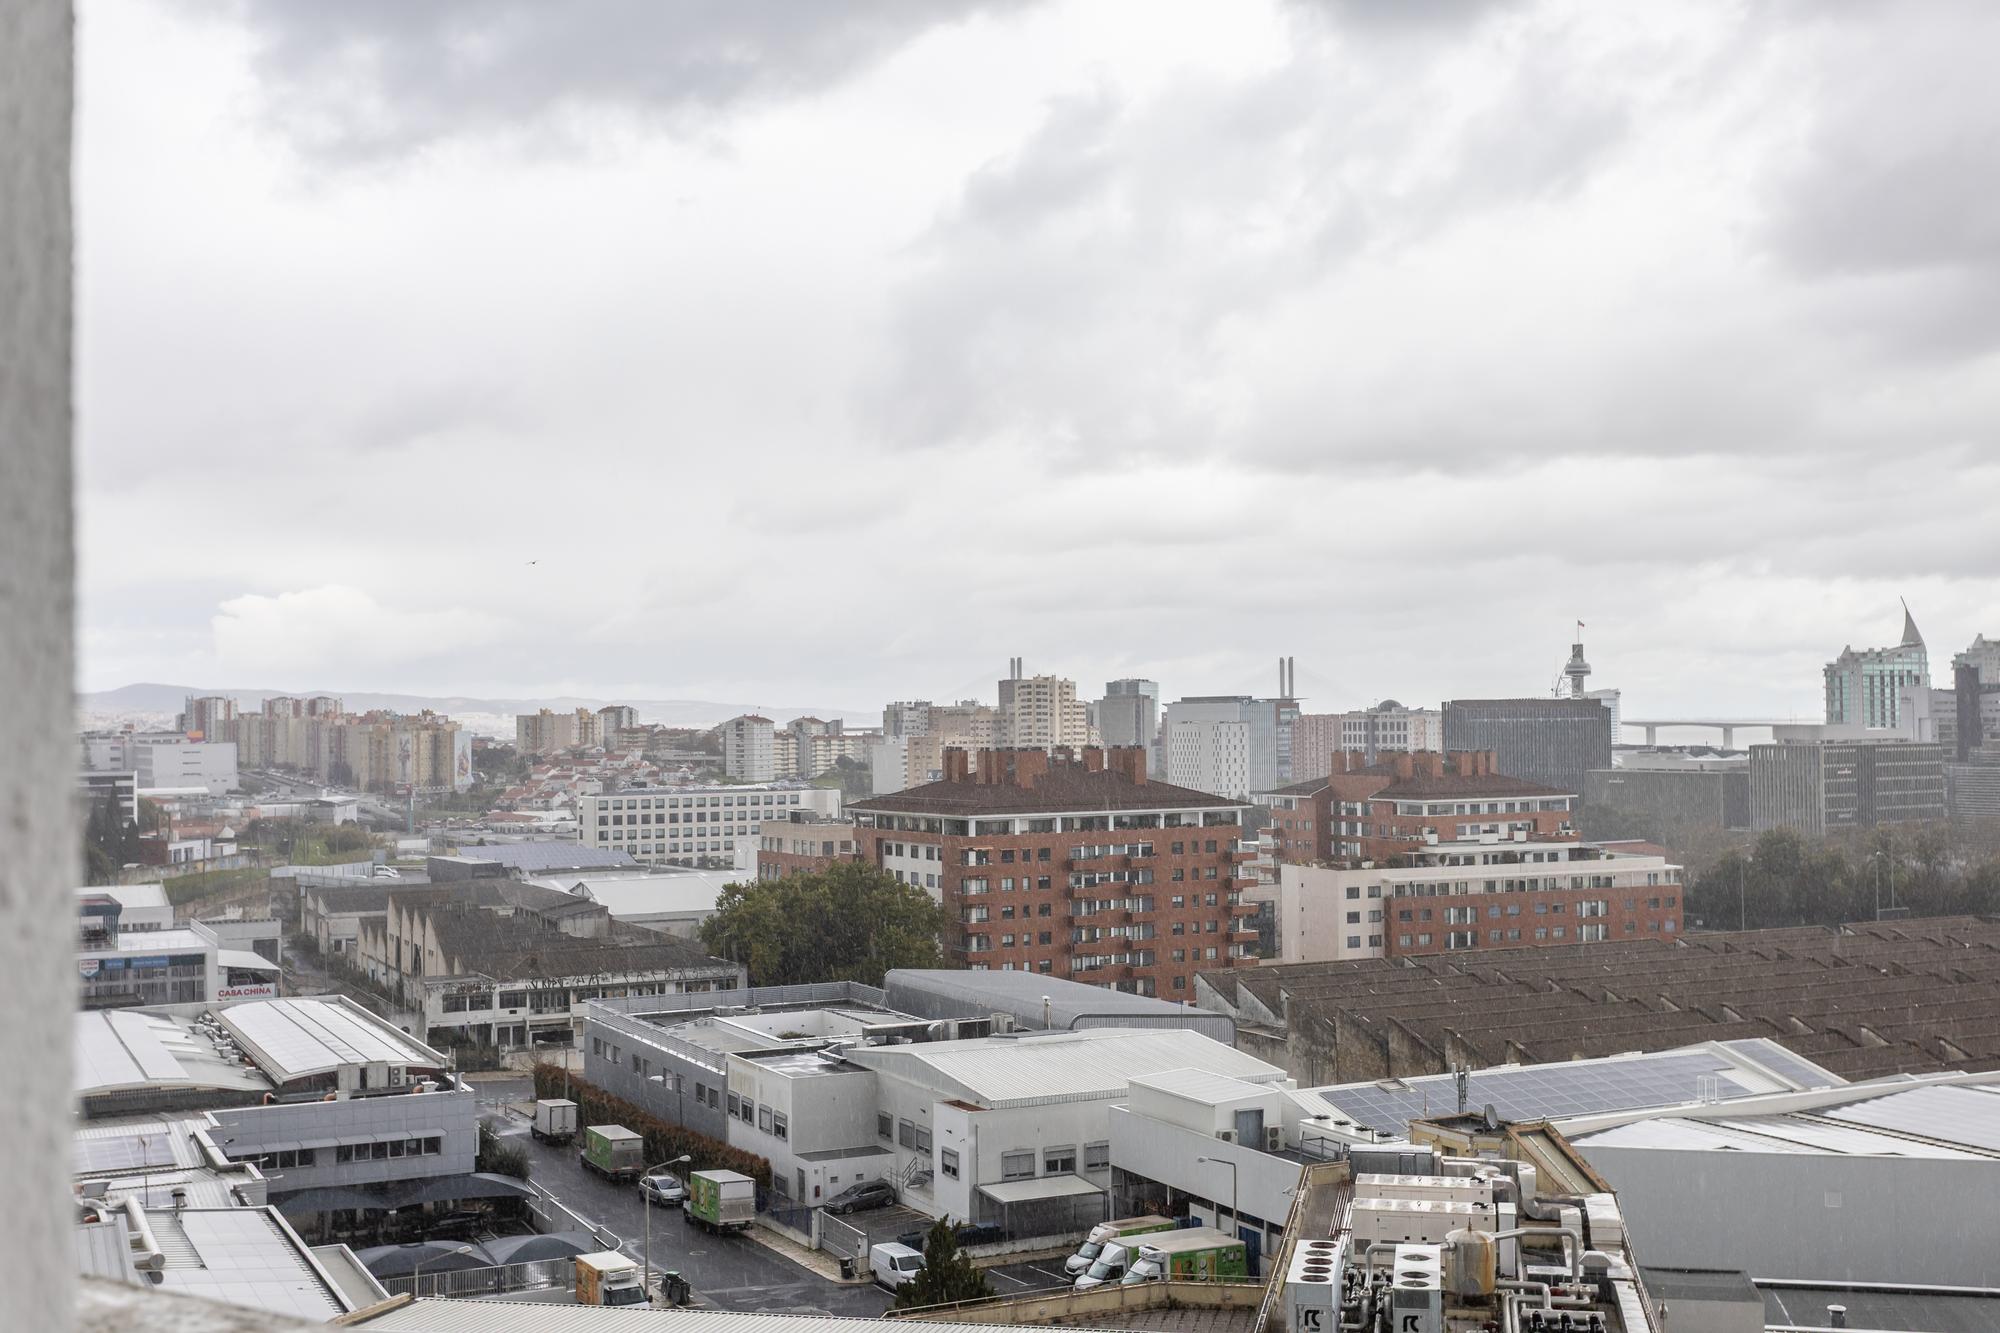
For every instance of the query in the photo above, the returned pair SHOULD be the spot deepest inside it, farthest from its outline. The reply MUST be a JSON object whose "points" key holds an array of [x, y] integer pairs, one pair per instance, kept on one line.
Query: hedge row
{"points": [[664, 1139]]}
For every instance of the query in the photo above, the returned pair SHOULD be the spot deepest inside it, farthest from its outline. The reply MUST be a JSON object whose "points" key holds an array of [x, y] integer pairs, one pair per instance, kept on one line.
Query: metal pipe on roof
{"points": [[150, 1258]]}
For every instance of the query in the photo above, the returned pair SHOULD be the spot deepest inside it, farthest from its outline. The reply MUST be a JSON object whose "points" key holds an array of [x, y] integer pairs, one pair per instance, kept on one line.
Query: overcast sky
{"points": [[824, 354]]}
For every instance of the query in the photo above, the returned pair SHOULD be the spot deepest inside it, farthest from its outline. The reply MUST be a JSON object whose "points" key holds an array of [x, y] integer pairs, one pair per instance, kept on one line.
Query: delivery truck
{"points": [[1093, 1245], [1199, 1254], [720, 1200], [608, 1278], [555, 1120], [613, 1151]]}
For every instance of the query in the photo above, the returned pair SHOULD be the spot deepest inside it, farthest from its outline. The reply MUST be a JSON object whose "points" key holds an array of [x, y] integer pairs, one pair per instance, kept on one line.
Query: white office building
{"points": [[693, 826], [1209, 754], [173, 762]]}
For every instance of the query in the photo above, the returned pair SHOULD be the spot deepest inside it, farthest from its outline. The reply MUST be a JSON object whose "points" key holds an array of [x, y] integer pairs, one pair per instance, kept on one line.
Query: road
{"points": [[728, 1272]]}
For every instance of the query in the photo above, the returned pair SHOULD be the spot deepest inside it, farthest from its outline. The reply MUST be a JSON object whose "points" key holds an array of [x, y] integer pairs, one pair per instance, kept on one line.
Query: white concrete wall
{"points": [[37, 663], [1807, 1215]]}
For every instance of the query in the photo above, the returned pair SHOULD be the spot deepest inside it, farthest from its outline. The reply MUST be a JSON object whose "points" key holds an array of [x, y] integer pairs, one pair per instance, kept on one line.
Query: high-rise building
{"points": [[1822, 786], [1864, 685], [906, 717], [1553, 742], [1225, 743], [1040, 711], [546, 732], [1074, 866], [1386, 728], [209, 718], [1129, 713], [748, 752]]}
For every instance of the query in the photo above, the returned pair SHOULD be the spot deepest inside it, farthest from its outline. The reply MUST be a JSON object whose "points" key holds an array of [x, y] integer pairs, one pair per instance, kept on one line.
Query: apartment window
{"points": [[948, 1162], [1017, 1166], [923, 1138], [1059, 1161], [1096, 1156], [764, 1118], [1354, 941], [885, 1126], [780, 1125], [906, 1133]]}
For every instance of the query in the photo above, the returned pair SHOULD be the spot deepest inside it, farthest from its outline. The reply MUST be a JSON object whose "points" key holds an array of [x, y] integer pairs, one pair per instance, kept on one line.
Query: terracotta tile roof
{"points": [[1059, 789], [1423, 788]]}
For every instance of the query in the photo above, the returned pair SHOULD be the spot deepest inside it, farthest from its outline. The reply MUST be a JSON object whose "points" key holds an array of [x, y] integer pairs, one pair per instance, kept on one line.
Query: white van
{"points": [[1109, 1266], [894, 1264]]}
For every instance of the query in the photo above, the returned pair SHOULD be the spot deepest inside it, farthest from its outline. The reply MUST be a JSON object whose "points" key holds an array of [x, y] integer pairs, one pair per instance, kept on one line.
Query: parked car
{"points": [[858, 1198], [965, 1233], [663, 1188], [893, 1265]]}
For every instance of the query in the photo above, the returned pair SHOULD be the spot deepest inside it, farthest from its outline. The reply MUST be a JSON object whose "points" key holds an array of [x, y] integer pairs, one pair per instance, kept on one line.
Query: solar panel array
{"points": [[1539, 1092], [1785, 1064], [126, 1153], [1956, 1114]]}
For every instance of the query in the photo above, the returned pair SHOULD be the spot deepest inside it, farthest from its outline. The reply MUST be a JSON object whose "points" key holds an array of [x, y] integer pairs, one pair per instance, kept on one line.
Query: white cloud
{"points": [[334, 632], [1148, 348]]}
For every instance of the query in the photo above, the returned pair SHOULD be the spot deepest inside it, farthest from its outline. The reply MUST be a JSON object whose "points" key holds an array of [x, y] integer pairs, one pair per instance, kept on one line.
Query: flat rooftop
{"points": [[122, 1050]]}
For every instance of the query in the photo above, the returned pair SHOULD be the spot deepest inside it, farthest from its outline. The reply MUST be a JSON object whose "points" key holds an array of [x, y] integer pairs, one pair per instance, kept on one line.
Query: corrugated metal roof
{"points": [[295, 1037], [1059, 1066], [1200, 1085], [449, 1316]]}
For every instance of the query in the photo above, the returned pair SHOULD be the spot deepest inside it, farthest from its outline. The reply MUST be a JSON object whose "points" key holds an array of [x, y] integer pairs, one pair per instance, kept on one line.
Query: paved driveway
{"points": [[728, 1272]]}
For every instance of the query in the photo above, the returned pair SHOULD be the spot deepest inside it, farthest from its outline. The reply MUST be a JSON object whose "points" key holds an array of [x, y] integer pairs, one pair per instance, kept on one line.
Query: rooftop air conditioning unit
{"points": [[1274, 1138], [1002, 1022], [1226, 1135]]}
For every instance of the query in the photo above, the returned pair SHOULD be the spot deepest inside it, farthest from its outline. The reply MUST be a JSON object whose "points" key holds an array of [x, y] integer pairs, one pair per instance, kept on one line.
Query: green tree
{"points": [[850, 922], [498, 1156], [948, 1274]]}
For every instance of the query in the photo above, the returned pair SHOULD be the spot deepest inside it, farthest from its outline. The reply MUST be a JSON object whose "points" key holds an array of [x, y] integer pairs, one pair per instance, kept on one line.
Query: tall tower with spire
{"points": [[1864, 686]]}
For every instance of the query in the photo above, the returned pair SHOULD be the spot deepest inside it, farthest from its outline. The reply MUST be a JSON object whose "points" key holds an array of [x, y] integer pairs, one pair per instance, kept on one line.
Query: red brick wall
{"points": [[1056, 909], [1544, 910]]}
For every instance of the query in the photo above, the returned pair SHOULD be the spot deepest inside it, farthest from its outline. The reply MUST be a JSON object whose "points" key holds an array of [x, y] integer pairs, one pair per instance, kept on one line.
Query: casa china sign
{"points": [[265, 990]]}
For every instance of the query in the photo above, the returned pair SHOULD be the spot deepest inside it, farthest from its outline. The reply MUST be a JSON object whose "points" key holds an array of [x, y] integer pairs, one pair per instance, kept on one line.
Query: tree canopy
{"points": [[948, 1273], [850, 922], [1789, 880]]}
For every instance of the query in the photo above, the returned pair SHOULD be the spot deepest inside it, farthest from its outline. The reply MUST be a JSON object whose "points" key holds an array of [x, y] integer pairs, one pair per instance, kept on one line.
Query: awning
{"points": [[1042, 1187], [400, 1193], [244, 960]]}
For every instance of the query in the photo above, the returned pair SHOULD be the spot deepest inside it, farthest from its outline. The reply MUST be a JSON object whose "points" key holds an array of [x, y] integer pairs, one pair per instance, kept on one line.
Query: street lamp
{"points": [[1219, 1161], [646, 1283], [417, 1272]]}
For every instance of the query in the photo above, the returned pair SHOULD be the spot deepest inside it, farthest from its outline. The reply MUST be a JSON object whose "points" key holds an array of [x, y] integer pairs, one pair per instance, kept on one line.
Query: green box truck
{"points": [[613, 1151], [720, 1200], [1198, 1254]]}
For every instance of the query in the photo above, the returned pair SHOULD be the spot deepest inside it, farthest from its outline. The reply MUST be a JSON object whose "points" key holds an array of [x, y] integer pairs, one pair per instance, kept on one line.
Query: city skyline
{"points": [[1395, 341]]}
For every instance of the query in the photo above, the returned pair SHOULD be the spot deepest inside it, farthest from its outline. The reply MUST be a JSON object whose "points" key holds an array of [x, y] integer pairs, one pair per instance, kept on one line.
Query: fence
{"points": [[838, 1236], [535, 1275], [551, 1214]]}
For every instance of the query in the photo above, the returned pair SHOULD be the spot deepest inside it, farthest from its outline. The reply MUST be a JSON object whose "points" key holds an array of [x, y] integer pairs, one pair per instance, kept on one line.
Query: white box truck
{"points": [[608, 1278], [1086, 1255], [555, 1120]]}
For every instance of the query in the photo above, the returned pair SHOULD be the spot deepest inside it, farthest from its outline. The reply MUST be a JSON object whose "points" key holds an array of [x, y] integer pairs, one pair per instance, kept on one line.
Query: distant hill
{"points": [[490, 716]]}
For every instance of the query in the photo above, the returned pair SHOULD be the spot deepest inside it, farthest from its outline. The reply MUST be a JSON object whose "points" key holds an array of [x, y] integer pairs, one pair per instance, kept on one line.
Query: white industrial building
{"points": [[187, 965], [671, 900], [694, 825], [312, 1103], [1894, 1181], [140, 906]]}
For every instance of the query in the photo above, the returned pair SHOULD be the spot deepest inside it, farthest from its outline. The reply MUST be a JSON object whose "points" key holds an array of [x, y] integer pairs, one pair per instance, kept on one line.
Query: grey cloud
{"points": [[1896, 171], [1083, 293], [374, 77]]}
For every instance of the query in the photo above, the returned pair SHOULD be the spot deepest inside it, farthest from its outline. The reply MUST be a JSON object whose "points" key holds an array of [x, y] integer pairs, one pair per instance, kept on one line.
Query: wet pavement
{"points": [[727, 1272]]}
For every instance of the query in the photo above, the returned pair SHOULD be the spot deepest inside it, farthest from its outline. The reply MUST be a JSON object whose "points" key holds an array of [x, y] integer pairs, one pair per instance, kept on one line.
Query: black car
{"points": [[858, 1198], [965, 1233]]}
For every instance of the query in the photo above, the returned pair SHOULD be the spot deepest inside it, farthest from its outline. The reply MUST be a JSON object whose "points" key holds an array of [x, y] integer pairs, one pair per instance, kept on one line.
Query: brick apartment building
{"points": [[1370, 812], [805, 842], [1075, 866]]}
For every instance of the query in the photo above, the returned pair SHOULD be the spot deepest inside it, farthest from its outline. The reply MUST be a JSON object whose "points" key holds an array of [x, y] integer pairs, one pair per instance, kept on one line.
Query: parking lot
{"points": [[727, 1272]]}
